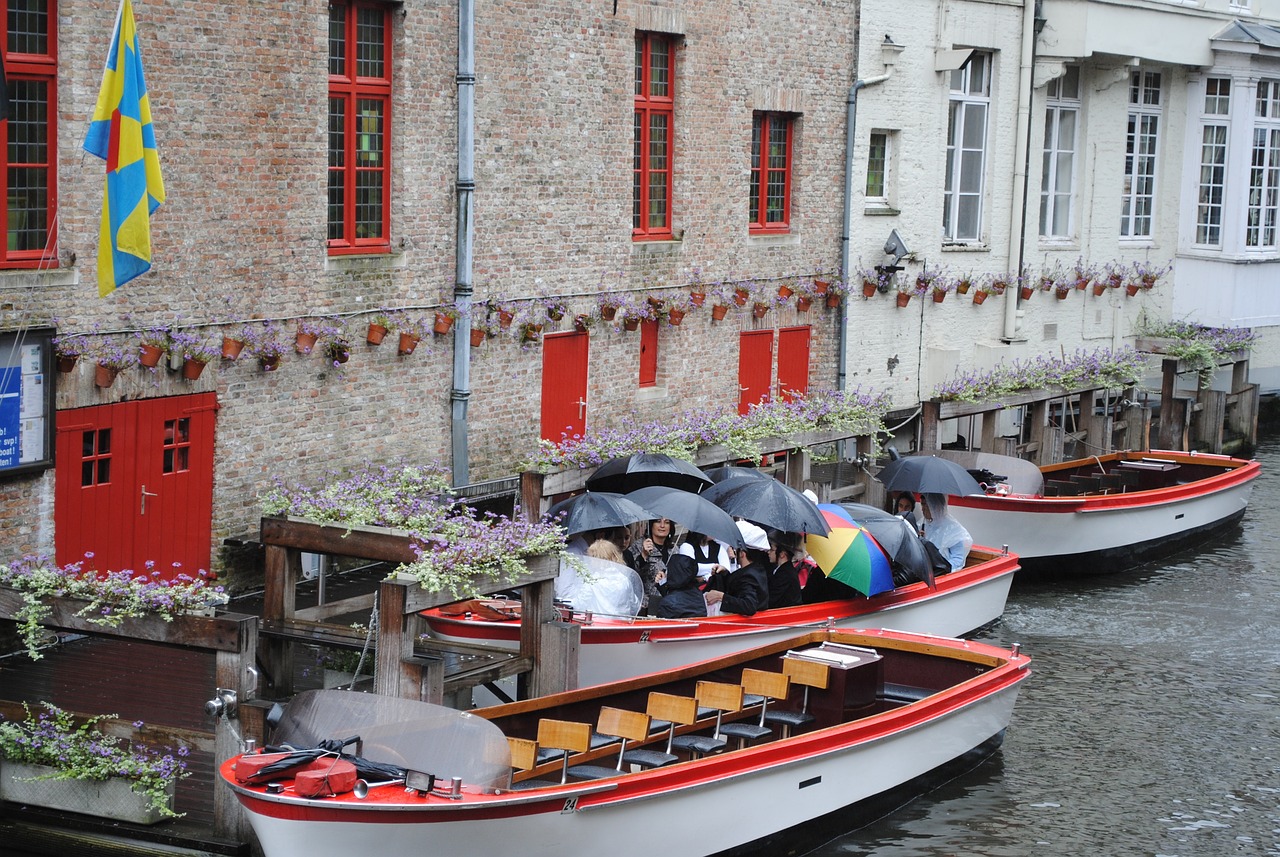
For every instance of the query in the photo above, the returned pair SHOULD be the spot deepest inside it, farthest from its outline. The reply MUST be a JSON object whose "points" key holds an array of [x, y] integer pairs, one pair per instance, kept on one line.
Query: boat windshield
{"points": [[406, 733]]}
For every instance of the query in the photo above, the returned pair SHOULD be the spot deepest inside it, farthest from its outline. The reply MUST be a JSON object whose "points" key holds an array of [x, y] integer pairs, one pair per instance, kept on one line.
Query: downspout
{"points": [[462, 288], [850, 137], [1032, 23]]}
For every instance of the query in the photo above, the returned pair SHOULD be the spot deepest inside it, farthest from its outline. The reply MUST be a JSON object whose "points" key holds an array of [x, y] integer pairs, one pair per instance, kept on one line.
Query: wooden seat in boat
{"points": [[566, 737], [620, 725], [524, 757], [807, 674], [682, 711], [1061, 488], [760, 688], [1087, 483], [665, 712], [1109, 482], [719, 697]]}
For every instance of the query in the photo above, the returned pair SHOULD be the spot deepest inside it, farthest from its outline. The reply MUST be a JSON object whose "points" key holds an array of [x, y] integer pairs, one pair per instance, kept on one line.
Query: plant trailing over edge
{"points": [[1200, 348], [1101, 368], [83, 752]]}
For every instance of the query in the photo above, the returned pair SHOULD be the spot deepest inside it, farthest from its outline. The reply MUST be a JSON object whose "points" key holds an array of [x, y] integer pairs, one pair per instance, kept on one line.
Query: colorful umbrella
{"points": [[849, 554]]}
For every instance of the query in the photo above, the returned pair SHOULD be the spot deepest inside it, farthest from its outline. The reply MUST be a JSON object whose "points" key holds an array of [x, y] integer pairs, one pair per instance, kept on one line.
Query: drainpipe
{"points": [[462, 288], [1032, 23], [850, 138]]}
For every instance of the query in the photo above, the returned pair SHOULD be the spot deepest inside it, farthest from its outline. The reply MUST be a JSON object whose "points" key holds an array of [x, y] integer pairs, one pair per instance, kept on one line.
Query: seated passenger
{"points": [[681, 597], [746, 590], [784, 579], [945, 533]]}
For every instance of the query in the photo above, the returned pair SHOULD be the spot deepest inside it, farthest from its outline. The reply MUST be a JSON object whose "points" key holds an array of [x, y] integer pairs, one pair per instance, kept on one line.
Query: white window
{"points": [[967, 149], [1264, 169], [878, 168], [1213, 162], [1141, 144], [1058, 171]]}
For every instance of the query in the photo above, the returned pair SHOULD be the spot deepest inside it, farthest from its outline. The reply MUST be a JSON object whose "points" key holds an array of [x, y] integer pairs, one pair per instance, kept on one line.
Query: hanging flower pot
{"points": [[697, 298], [339, 351], [444, 323], [105, 376], [555, 313], [269, 362], [149, 355], [191, 369], [719, 311], [67, 362], [803, 304], [759, 310], [375, 334], [675, 317], [1082, 283], [304, 342], [939, 296], [631, 323], [833, 300], [1148, 281], [904, 298], [1062, 293], [979, 297], [785, 291], [531, 332], [1026, 292], [740, 296], [581, 322], [505, 317], [408, 342], [654, 302], [998, 287], [608, 313], [477, 337], [962, 287], [869, 288], [1131, 289], [231, 347], [820, 287], [1099, 289]]}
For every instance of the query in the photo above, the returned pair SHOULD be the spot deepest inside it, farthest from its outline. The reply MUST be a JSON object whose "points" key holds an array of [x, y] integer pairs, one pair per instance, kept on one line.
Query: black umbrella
{"points": [[769, 503], [896, 536], [722, 474], [694, 511], [927, 474], [597, 510], [643, 469]]}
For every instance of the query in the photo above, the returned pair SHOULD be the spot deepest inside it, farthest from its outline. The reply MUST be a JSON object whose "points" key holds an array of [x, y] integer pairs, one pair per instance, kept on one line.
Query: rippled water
{"points": [[1151, 725]]}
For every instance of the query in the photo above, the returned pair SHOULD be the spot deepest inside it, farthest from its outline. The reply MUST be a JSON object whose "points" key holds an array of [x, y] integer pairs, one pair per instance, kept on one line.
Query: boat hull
{"points": [[612, 650], [1099, 534]]}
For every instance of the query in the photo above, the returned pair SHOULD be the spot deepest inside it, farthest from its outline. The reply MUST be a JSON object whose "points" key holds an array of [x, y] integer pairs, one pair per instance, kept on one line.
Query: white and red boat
{"points": [[615, 648], [895, 707], [1104, 513]]}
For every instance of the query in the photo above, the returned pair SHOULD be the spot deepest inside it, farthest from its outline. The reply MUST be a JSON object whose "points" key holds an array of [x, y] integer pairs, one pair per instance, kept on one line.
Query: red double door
{"points": [[135, 485], [755, 365]]}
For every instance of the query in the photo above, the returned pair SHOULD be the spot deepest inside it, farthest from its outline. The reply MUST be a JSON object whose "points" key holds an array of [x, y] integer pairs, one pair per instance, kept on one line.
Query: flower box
{"points": [[113, 799]]}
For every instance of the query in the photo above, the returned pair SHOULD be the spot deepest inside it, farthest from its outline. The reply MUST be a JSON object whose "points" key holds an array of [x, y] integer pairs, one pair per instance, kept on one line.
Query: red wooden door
{"points": [[135, 485], [564, 385], [793, 362], [755, 368]]}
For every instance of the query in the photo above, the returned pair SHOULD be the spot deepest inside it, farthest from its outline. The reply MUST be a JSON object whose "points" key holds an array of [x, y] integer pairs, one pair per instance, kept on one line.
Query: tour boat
{"points": [[614, 647], [1103, 513], [848, 716]]}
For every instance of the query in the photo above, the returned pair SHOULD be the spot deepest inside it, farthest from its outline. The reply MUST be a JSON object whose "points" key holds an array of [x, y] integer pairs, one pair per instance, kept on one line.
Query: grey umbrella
{"points": [[597, 510], [926, 474], [769, 503], [722, 474], [643, 469], [693, 511]]}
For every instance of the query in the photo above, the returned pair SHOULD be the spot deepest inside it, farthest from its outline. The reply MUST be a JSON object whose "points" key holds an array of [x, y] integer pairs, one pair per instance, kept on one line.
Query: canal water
{"points": [[1151, 724]]}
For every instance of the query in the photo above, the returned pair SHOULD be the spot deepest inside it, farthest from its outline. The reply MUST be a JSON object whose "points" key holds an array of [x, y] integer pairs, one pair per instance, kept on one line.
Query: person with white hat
{"points": [[745, 590]]}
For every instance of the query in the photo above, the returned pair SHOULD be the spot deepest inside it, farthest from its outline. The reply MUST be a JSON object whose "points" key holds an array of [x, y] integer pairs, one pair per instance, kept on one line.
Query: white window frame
{"points": [[1142, 155], [1062, 103], [1214, 146], [965, 182], [885, 199], [1262, 205]]}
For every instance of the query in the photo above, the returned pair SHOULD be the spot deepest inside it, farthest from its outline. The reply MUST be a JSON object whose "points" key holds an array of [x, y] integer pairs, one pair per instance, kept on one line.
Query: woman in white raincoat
{"points": [[946, 533]]}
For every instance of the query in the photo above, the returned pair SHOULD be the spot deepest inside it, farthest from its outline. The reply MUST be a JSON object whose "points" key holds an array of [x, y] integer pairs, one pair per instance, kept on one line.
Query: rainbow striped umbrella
{"points": [[849, 554]]}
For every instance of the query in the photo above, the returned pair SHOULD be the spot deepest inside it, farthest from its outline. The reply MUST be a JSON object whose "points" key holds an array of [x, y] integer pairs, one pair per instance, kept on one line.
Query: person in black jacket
{"points": [[746, 590], [681, 597], [784, 580]]}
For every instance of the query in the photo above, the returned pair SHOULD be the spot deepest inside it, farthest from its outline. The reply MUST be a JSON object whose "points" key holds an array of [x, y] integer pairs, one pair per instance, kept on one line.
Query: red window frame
{"points": [[649, 353], [771, 150], [359, 145], [654, 137], [29, 64]]}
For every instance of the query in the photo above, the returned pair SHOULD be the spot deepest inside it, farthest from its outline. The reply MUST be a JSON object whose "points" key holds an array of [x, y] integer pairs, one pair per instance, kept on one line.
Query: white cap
{"points": [[808, 492], [754, 537]]}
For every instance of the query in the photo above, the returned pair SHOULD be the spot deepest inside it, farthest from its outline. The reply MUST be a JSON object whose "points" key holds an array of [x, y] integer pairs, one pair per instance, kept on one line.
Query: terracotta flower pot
{"points": [[820, 287], [105, 376], [1082, 283], [1131, 289], [477, 337], [149, 355], [1027, 292], [803, 304], [740, 297], [697, 298], [904, 298], [270, 363], [675, 317], [608, 313], [979, 297], [67, 363], [1148, 282], [375, 334], [833, 301], [581, 322], [939, 296], [631, 323], [339, 351], [444, 323], [1062, 293], [654, 302], [962, 287], [759, 310], [505, 318], [408, 342], [719, 311], [869, 288], [304, 342], [785, 291], [191, 369], [231, 347], [1099, 289], [555, 313]]}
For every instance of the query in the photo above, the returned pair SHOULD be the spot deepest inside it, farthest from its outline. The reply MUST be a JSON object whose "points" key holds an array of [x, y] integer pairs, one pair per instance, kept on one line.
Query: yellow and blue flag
{"points": [[121, 134]]}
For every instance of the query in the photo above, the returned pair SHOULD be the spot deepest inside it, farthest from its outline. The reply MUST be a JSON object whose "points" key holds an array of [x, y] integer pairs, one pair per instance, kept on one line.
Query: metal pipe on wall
{"points": [[460, 394]]}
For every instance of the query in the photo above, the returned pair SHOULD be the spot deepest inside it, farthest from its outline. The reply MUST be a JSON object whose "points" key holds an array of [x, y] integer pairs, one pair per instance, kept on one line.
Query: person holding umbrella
{"points": [[945, 533], [746, 590]]}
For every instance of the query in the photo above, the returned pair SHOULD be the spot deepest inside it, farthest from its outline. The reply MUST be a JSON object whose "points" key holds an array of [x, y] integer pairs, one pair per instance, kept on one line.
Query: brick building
{"points": [[311, 159]]}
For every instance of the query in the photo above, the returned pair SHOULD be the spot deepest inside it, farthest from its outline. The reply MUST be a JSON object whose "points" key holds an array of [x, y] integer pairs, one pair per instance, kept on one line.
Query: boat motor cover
{"points": [[1022, 477], [418, 736]]}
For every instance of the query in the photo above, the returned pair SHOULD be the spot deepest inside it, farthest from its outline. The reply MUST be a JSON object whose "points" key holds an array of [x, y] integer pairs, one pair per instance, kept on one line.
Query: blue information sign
{"points": [[10, 409]]}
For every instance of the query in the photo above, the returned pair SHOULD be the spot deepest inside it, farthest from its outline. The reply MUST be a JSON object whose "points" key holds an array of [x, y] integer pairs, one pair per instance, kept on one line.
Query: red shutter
{"points": [[648, 353], [564, 385], [793, 362], [755, 368]]}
